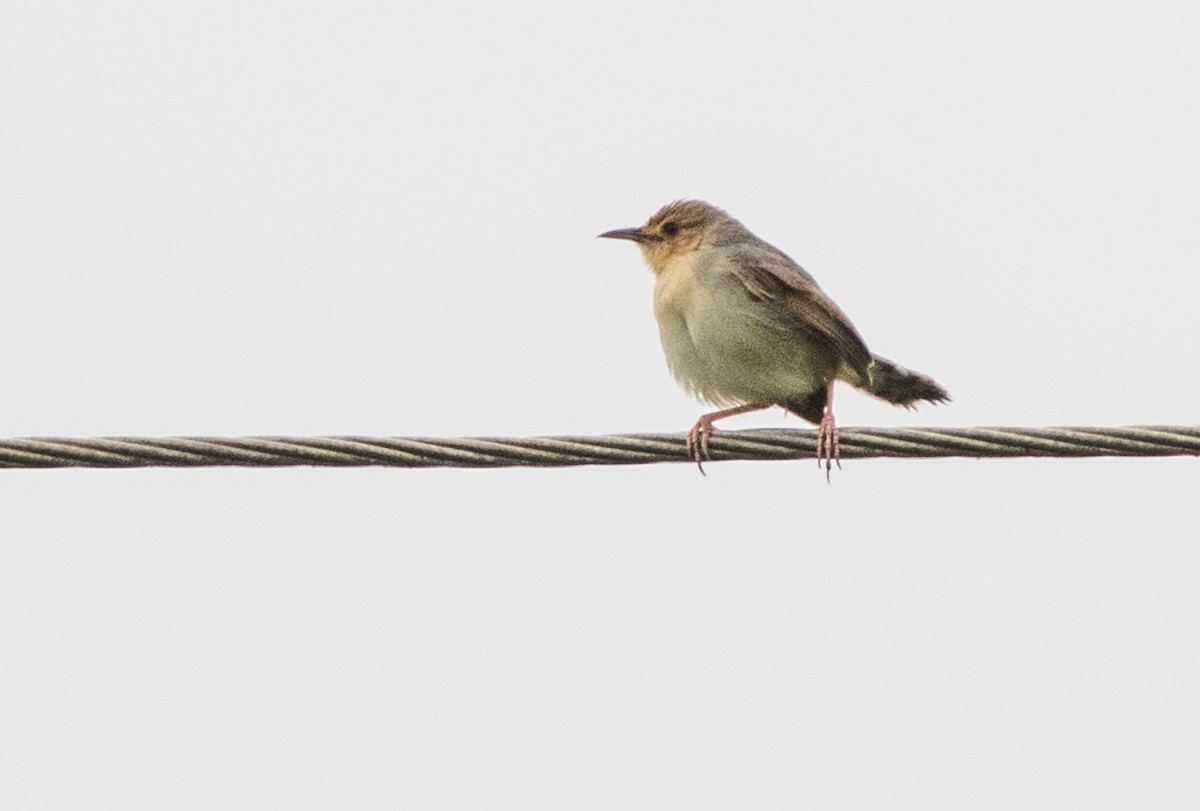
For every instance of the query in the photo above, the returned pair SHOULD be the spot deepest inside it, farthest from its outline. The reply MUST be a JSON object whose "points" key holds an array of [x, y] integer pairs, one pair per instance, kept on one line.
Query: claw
{"points": [[827, 438], [697, 442], [697, 438], [827, 444]]}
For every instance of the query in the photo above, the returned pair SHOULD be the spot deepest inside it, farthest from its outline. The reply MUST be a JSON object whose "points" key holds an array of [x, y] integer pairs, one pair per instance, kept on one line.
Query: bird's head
{"points": [[677, 229]]}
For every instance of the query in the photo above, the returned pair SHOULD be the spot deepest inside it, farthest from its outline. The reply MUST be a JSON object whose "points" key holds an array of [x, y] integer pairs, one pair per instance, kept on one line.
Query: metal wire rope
{"points": [[567, 451]]}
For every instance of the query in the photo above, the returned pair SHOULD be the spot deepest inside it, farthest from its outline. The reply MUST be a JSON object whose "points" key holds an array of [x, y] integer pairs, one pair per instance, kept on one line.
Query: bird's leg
{"points": [[827, 435], [697, 438]]}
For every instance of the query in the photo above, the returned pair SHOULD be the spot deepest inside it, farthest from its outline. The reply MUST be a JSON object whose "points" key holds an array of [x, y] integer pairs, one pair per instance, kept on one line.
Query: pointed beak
{"points": [[632, 234]]}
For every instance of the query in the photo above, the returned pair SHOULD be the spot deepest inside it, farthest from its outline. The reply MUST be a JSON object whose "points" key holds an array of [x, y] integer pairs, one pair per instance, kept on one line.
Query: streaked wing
{"points": [[770, 277]]}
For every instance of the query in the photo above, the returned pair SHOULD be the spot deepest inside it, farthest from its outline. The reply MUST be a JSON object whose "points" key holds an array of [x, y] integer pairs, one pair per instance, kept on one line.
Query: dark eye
{"points": [[670, 228]]}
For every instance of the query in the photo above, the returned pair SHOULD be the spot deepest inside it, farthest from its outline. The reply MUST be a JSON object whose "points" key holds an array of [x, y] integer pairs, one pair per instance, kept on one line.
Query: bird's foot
{"points": [[697, 438], [827, 443], [697, 441]]}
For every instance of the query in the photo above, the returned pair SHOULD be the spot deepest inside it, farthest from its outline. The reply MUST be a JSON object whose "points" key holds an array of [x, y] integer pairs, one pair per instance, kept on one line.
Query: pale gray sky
{"points": [[325, 218]]}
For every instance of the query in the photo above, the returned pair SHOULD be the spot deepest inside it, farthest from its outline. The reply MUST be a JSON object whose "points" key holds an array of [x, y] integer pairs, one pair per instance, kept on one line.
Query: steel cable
{"points": [[567, 451]]}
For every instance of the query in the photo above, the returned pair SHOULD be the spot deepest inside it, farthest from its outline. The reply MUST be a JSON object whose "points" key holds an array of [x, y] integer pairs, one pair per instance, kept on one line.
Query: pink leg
{"points": [[827, 435], [697, 438]]}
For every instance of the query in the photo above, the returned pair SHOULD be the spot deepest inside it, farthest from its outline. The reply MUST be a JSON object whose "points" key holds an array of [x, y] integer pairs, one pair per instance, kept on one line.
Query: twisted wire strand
{"points": [[567, 451]]}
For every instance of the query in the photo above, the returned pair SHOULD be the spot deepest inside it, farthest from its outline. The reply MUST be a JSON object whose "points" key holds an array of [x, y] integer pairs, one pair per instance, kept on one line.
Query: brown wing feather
{"points": [[776, 278]]}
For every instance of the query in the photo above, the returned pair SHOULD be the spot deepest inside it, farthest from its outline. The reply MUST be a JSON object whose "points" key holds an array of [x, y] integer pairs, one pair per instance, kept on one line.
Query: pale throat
{"points": [[662, 256]]}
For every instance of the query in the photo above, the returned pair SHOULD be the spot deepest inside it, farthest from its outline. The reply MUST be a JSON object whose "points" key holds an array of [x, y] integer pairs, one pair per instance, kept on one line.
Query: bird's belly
{"points": [[724, 355]]}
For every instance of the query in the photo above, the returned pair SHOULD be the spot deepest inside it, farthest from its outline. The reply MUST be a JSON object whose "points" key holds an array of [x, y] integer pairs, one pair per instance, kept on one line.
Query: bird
{"points": [[744, 328]]}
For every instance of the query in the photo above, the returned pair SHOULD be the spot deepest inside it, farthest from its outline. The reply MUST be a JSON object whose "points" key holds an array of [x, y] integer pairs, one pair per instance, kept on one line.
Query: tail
{"points": [[901, 386]]}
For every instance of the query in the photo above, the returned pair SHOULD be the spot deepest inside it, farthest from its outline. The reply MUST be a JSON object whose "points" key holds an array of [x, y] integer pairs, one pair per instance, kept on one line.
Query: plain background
{"points": [[378, 218]]}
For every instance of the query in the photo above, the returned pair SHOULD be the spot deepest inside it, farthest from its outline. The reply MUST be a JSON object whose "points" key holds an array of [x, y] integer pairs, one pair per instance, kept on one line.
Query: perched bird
{"points": [[744, 327]]}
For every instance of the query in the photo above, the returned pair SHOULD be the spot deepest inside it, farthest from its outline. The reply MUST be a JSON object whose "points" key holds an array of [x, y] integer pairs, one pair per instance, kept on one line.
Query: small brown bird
{"points": [[745, 328]]}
